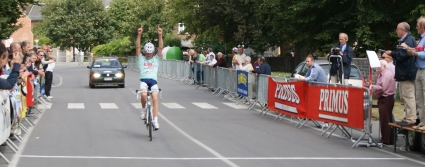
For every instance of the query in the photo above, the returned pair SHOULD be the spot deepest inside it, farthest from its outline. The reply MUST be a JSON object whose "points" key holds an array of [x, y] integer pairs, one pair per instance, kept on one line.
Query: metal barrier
{"points": [[261, 92], [224, 81]]}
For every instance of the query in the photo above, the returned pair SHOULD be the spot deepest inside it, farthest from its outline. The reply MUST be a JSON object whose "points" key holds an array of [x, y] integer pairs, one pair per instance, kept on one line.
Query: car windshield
{"points": [[106, 63], [354, 74]]}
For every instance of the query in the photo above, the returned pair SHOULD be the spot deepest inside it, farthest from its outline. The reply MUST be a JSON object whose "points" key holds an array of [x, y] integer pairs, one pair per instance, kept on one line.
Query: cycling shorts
{"points": [[149, 84]]}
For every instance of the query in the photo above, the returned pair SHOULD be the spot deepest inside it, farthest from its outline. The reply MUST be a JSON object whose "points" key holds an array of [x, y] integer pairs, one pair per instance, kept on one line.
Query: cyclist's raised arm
{"points": [[139, 36], [160, 43]]}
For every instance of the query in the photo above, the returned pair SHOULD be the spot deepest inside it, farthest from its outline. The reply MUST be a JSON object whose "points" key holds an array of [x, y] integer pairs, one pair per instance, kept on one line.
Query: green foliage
{"points": [[10, 12], [128, 15], [77, 23], [171, 40], [115, 47], [301, 26], [210, 39], [45, 40], [39, 30]]}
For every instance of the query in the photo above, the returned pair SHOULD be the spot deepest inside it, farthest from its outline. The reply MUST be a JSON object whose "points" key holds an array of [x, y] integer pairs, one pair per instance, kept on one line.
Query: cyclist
{"points": [[148, 65]]}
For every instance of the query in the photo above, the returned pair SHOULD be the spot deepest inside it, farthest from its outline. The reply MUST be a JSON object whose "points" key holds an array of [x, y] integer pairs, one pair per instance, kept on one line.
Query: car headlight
{"points": [[96, 75], [118, 75]]}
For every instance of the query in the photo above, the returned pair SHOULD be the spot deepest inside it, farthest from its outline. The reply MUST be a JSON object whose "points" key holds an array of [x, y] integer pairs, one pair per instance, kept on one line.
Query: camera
{"points": [[335, 51]]}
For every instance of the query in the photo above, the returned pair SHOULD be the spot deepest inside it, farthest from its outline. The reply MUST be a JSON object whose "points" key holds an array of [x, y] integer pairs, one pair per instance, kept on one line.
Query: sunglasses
{"points": [[41, 55]]}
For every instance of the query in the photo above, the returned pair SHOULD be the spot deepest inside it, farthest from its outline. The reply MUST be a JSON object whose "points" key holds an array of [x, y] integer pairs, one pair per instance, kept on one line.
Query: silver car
{"points": [[356, 77]]}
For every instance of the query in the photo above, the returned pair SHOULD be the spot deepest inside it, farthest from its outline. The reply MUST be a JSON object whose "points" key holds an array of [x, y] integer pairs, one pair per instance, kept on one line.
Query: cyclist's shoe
{"points": [[143, 115], [156, 125]]}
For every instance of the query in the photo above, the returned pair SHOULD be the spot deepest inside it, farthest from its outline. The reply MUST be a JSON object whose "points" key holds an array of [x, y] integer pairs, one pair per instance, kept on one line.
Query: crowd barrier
{"points": [[16, 107], [338, 105]]}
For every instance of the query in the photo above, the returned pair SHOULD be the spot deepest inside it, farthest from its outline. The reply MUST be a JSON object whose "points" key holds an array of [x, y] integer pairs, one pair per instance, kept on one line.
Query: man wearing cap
{"points": [[240, 57]]}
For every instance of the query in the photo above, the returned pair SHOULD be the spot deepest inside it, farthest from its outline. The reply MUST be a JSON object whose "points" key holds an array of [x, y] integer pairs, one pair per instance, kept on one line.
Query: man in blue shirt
{"points": [[405, 72], [315, 73], [264, 67], [418, 51]]}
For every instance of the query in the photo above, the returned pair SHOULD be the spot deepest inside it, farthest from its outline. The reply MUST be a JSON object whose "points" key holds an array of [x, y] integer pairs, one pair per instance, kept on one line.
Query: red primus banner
{"points": [[336, 104], [287, 98]]}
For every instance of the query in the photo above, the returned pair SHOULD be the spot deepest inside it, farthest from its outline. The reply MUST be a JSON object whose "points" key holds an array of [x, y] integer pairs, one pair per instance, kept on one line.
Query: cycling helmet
{"points": [[149, 48]]}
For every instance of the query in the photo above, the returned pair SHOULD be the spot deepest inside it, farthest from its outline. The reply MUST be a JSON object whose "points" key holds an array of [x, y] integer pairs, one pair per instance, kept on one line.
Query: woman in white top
{"points": [[247, 67], [211, 60]]}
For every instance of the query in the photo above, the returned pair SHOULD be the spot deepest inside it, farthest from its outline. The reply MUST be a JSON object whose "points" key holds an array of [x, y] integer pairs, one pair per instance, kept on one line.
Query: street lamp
{"points": [[36, 42]]}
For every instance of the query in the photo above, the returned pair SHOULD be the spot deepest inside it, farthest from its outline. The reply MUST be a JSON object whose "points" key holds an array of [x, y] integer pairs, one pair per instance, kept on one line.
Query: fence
{"points": [[16, 110], [281, 95]]}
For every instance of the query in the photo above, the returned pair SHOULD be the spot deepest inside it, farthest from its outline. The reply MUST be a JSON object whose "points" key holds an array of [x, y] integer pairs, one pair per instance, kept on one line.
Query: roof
{"points": [[35, 13]]}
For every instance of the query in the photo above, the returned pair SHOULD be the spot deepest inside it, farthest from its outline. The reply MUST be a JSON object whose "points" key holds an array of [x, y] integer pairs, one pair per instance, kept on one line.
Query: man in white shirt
{"points": [[240, 57]]}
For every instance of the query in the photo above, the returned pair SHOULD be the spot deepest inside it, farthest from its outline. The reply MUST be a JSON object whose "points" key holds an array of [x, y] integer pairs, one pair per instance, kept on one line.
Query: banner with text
{"points": [[287, 98], [242, 77], [336, 104]]}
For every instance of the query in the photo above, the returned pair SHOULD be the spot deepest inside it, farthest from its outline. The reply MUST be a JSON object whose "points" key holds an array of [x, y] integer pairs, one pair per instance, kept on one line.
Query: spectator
{"points": [[11, 80], [346, 52], [418, 51], [221, 62], [211, 60], [235, 53], [31, 67], [315, 73], [201, 60], [264, 67], [257, 64], [240, 56], [391, 68], [210, 52], [49, 77], [384, 91], [15, 47], [405, 72], [26, 46], [247, 67]]}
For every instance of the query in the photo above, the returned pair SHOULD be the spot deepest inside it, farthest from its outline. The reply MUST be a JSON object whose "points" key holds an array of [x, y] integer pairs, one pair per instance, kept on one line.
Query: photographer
{"points": [[347, 54]]}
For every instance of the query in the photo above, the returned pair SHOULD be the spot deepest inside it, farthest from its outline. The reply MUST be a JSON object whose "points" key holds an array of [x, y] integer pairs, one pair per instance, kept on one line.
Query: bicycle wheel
{"points": [[150, 124]]}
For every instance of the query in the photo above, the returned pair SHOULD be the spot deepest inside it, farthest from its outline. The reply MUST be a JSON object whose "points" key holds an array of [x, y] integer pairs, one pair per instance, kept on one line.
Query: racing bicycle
{"points": [[149, 117]]}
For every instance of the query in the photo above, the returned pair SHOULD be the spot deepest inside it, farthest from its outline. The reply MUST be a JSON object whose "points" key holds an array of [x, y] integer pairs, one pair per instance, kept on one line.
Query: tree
{"points": [[116, 47], [10, 12], [128, 15], [77, 23]]}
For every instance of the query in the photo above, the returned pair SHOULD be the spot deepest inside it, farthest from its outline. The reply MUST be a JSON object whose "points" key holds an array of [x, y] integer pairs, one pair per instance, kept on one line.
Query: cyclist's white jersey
{"points": [[148, 67]]}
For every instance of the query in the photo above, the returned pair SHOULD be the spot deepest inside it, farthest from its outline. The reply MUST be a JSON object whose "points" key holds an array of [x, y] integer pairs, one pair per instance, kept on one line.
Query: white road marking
{"points": [[76, 106], [60, 80], [137, 105], [205, 106], [173, 105], [211, 158], [108, 106], [235, 106], [215, 153]]}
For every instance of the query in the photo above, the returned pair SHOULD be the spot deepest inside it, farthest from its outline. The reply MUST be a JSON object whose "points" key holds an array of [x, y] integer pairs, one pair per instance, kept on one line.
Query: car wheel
{"points": [[91, 85], [121, 85]]}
